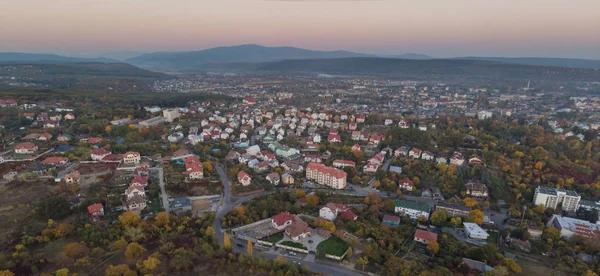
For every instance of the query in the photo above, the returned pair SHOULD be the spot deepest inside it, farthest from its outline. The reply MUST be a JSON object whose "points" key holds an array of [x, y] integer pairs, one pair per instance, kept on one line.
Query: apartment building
{"points": [[552, 197], [328, 176]]}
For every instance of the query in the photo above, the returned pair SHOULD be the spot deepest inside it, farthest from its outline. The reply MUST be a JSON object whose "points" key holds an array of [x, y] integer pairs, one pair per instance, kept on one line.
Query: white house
{"points": [[132, 157], [282, 220], [412, 209]]}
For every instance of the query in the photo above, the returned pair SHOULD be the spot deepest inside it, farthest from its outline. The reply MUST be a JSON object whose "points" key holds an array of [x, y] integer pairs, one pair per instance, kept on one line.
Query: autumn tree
{"points": [[134, 250], [148, 265], [119, 270], [456, 221], [226, 241], [312, 200], [207, 166], [439, 217], [162, 219], [433, 247], [75, 250], [6, 272], [280, 260], [119, 244], [250, 250], [135, 234], [476, 216], [300, 193], [129, 219], [362, 261], [62, 272]]}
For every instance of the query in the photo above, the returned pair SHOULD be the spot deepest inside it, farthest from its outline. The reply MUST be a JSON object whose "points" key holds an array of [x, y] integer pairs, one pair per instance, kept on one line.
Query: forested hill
{"points": [[432, 69]]}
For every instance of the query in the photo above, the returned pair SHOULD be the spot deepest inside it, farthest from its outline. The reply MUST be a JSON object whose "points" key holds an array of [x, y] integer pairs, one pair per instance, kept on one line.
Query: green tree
{"points": [[362, 261], [439, 217], [456, 221]]}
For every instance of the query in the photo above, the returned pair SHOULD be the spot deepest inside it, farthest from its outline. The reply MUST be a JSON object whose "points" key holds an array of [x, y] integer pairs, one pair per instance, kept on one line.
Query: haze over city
{"points": [[437, 28]]}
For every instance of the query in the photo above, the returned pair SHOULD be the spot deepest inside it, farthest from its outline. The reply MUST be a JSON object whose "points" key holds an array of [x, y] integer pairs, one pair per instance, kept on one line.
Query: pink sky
{"points": [[441, 28]]}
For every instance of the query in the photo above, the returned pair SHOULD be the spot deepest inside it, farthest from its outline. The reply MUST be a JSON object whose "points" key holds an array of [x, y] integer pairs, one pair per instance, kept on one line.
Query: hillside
{"points": [[84, 76], [560, 62], [441, 69]]}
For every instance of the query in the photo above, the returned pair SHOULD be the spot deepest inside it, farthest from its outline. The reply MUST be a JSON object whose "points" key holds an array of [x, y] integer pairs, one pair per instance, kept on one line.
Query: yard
{"points": [[493, 237], [275, 238], [332, 246], [293, 244]]}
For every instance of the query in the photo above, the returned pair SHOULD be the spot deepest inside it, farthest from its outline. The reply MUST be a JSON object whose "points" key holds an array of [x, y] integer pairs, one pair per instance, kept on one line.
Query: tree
{"points": [[551, 235], [135, 234], [149, 265], [62, 272], [226, 241], [52, 207], [456, 221], [299, 193], [500, 270], [129, 219], [134, 250], [207, 166], [470, 202], [183, 259], [433, 247], [280, 260], [6, 273], [439, 217], [119, 244], [210, 231], [362, 261], [312, 200], [119, 270], [250, 248], [476, 216], [75, 250], [512, 265], [162, 219]]}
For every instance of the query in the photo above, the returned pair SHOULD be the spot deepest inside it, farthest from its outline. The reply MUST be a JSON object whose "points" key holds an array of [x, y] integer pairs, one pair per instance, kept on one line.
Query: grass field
{"points": [[275, 238], [333, 246], [293, 244], [493, 237]]}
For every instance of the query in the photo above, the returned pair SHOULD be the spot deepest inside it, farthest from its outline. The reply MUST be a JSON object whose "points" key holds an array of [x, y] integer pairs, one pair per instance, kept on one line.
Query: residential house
{"points": [[457, 159], [287, 178], [95, 211], [406, 184], [334, 138], [298, 230], [370, 168], [73, 177], [274, 178], [476, 189], [476, 160], [425, 237], [473, 231], [427, 155], [331, 210], [26, 148], [132, 157], [282, 220], [55, 160], [99, 154], [415, 153], [244, 178], [343, 163], [133, 191], [135, 204]]}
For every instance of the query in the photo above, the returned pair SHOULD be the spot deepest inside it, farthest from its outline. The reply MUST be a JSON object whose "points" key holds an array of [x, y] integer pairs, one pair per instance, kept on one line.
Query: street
{"points": [[163, 192]]}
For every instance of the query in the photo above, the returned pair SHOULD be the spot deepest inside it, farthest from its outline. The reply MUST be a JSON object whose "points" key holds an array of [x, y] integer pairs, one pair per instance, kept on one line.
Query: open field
{"points": [[333, 246]]}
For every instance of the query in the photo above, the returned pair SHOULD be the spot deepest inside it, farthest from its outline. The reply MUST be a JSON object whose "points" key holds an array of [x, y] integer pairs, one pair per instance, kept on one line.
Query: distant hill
{"points": [[242, 53], [410, 56], [84, 76], [440, 69], [560, 62], [19, 58]]}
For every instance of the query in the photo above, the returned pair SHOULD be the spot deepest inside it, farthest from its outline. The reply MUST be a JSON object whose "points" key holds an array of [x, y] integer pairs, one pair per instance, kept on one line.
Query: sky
{"points": [[440, 28]]}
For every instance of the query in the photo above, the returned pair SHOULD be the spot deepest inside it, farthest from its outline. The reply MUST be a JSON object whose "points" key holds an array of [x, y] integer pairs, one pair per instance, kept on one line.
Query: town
{"points": [[337, 176]]}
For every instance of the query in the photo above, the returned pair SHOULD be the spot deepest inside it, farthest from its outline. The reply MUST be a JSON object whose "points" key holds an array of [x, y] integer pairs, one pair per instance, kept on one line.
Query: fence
{"points": [[305, 251]]}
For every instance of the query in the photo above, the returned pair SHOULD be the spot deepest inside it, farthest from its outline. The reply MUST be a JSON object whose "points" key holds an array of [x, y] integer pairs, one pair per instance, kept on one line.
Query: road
{"points": [[163, 191]]}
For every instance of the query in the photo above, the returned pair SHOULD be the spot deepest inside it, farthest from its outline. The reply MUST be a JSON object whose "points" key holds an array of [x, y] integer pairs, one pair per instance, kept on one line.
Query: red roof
{"points": [[334, 136], [391, 218], [336, 173], [140, 179], [25, 145], [242, 175], [281, 218], [101, 152], [54, 160], [94, 208], [348, 214], [95, 140], [405, 180], [429, 236], [130, 153]]}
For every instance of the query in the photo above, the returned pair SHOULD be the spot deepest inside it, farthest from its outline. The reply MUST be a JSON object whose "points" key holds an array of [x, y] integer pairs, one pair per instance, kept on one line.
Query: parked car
{"points": [[292, 253], [240, 244]]}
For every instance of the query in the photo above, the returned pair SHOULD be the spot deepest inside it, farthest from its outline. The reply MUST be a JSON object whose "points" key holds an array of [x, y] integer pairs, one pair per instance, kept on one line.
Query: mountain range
{"points": [[252, 55]]}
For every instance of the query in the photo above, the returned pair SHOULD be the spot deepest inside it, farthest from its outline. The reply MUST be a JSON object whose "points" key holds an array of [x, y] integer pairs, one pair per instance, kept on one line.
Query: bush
{"points": [[53, 207]]}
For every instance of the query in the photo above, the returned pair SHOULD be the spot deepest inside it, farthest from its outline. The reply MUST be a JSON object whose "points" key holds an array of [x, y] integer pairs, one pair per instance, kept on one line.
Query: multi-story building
{"points": [[171, 114], [453, 210], [328, 176], [412, 209], [551, 197], [574, 227]]}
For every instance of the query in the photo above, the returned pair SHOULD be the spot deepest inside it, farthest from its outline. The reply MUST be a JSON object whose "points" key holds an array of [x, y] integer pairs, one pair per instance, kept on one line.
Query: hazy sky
{"points": [[441, 28]]}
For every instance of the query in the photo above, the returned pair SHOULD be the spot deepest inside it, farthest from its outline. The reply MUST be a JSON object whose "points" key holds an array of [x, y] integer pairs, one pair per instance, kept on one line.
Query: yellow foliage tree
{"points": [[433, 247], [250, 249], [476, 216], [226, 241], [6, 272], [312, 200], [300, 193], [62, 272], [119, 270], [162, 219], [134, 250], [207, 166], [129, 219]]}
